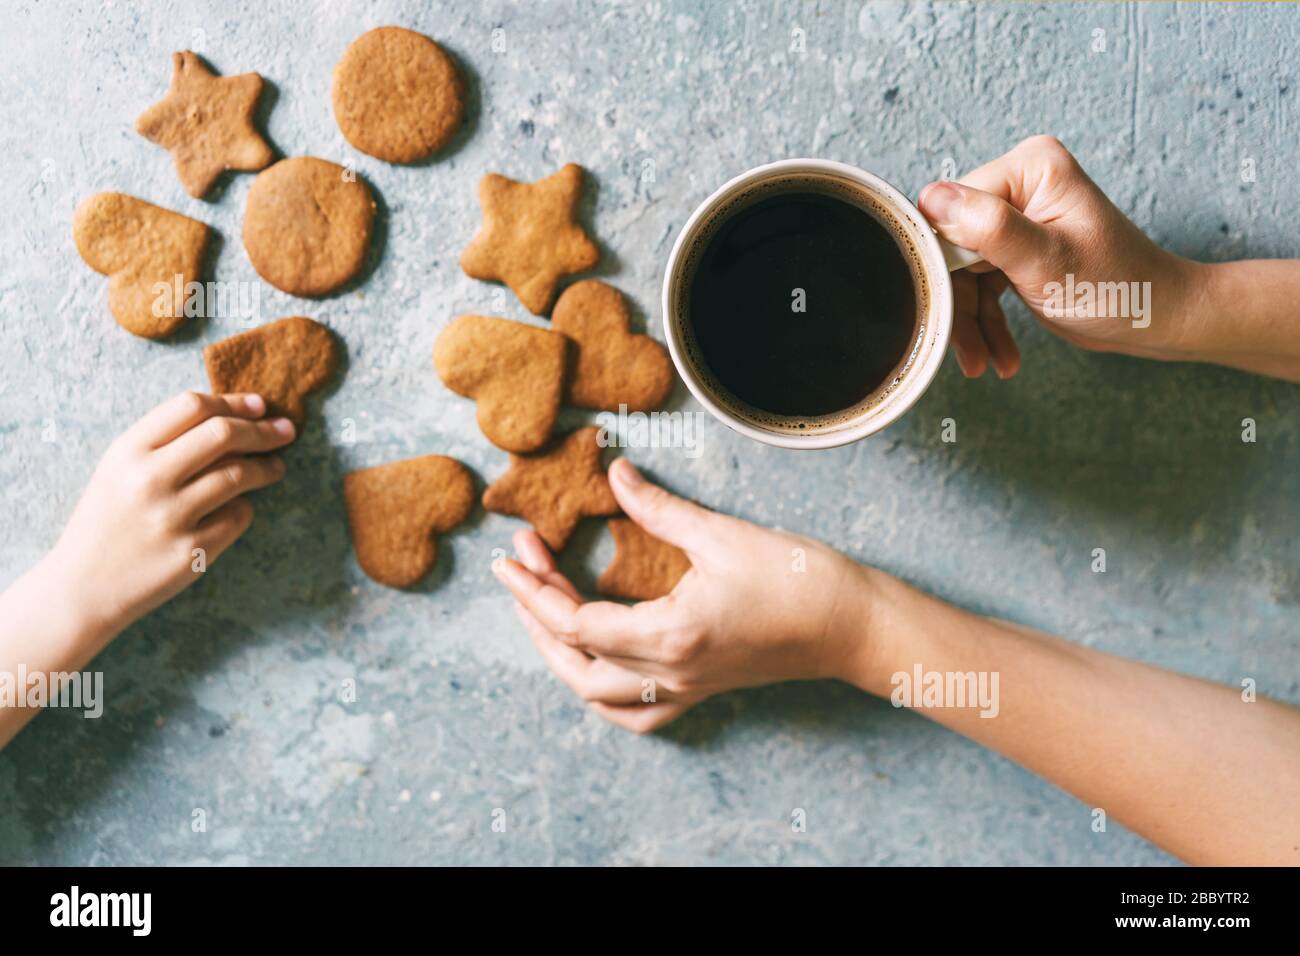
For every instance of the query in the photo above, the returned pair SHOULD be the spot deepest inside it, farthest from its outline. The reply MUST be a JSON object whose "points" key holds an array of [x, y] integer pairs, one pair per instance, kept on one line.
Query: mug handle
{"points": [[955, 257]]}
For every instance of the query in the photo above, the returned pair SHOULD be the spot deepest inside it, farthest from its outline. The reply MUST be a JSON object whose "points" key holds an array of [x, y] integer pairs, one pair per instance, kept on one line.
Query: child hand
{"points": [[1035, 216], [757, 606], [165, 502]]}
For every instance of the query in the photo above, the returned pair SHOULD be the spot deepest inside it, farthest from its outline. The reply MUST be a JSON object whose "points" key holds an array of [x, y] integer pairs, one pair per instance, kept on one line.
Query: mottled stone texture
{"points": [[228, 700]]}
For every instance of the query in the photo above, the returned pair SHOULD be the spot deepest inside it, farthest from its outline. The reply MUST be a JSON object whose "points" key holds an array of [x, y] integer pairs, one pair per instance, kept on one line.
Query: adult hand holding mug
{"points": [[1041, 225]]}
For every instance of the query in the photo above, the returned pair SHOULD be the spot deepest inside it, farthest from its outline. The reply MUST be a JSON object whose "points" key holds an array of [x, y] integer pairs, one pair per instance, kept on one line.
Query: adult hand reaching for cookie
{"points": [[756, 607], [1170, 756], [1045, 229], [165, 501]]}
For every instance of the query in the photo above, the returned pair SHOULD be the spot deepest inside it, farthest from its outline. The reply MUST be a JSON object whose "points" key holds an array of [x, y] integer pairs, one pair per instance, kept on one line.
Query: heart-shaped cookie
{"points": [[395, 510], [608, 365], [515, 372], [281, 361], [644, 567], [149, 254], [555, 489]]}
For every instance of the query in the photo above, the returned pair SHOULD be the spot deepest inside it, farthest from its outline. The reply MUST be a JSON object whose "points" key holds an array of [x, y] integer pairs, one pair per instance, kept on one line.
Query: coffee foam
{"points": [[850, 192]]}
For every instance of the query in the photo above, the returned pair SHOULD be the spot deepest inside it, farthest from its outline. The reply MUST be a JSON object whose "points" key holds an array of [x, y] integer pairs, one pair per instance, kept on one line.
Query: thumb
{"points": [[986, 224], [666, 516]]}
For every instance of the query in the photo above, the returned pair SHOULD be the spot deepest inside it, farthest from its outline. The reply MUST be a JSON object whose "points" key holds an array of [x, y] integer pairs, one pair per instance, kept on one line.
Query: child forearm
{"points": [[44, 629]]}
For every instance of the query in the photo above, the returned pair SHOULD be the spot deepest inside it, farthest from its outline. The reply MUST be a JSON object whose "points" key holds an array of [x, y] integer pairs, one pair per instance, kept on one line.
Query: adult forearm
{"points": [[1245, 315], [1188, 764]]}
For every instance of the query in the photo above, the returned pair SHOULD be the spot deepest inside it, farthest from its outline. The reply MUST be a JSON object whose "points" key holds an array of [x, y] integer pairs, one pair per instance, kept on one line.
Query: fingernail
{"points": [[496, 564], [626, 472], [941, 203], [969, 364], [283, 426], [959, 359], [256, 404], [532, 560]]}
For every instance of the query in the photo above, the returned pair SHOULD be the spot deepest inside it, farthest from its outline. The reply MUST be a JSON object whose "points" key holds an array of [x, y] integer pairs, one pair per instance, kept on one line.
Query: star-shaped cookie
{"points": [[556, 488], [530, 236], [206, 122]]}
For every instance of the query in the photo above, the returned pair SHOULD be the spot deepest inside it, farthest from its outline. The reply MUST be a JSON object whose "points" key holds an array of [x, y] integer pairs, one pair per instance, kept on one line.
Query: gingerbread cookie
{"points": [[555, 489], [530, 236], [515, 372], [608, 365], [206, 122], [149, 254], [282, 362], [644, 567], [395, 510], [307, 225], [397, 95]]}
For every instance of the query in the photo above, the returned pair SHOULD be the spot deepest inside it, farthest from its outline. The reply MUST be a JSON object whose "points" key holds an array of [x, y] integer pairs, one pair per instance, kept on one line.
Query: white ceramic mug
{"points": [[935, 258]]}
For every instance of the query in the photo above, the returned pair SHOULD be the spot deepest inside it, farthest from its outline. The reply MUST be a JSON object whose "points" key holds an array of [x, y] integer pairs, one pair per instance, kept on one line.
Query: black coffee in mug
{"points": [[802, 304]]}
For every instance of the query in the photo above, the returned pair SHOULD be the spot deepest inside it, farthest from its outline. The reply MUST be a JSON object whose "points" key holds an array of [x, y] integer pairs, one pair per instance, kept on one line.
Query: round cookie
{"points": [[307, 225], [397, 95]]}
